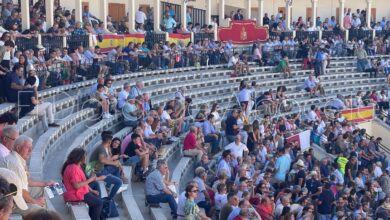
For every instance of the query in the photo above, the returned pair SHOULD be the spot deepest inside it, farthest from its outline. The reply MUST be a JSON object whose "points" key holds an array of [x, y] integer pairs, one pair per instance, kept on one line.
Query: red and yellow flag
{"points": [[110, 41], [175, 38], [359, 114]]}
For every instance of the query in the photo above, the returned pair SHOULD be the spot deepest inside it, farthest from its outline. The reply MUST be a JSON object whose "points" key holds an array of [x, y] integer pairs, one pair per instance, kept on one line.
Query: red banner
{"points": [[243, 32]]}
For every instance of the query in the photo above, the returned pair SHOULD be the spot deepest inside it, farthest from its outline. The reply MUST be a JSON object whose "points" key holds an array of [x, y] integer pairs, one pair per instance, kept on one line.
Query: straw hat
{"points": [[300, 163]]}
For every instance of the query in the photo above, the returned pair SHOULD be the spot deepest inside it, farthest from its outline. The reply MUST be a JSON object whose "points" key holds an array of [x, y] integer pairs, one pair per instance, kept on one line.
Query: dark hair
{"points": [[17, 66], [116, 139], [5, 202], [31, 80], [75, 156], [8, 118], [210, 116], [134, 136], [106, 136], [99, 86], [226, 153], [9, 43], [42, 214], [189, 189]]}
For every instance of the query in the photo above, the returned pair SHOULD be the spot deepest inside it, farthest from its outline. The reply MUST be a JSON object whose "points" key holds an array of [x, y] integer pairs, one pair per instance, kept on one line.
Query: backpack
{"points": [[109, 209]]}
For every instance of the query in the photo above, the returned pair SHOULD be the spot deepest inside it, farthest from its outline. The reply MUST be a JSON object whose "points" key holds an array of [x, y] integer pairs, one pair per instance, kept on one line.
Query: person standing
{"points": [[325, 202]]}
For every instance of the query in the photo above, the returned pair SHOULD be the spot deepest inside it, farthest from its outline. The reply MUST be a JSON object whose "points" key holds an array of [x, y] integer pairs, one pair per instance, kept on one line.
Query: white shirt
{"points": [[140, 17], [3, 151], [237, 150], [232, 61], [224, 166], [244, 95], [377, 172], [312, 116], [148, 130], [220, 200], [122, 98], [165, 117]]}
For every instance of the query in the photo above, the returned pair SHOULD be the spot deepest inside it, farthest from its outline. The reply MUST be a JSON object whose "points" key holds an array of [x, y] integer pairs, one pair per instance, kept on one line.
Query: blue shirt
{"points": [[282, 166], [310, 83], [208, 128], [169, 23], [234, 213], [337, 103]]}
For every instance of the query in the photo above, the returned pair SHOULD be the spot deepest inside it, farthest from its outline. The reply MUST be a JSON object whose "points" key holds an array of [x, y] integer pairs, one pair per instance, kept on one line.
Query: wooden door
{"points": [[117, 11], [373, 14], [338, 13], [283, 10], [309, 13], [144, 8]]}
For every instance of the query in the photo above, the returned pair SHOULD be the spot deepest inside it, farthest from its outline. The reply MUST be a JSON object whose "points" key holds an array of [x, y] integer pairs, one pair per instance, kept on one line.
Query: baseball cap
{"points": [[11, 177]]}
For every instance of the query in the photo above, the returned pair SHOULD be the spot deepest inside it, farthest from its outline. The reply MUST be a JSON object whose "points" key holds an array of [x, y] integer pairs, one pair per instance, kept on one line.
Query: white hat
{"points": [[313, 173], [300, 163], [40, 47], [11, 177]]}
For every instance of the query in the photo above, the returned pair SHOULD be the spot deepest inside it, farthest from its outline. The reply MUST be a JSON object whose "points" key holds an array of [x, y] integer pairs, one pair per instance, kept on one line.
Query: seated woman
{"points": [[76, 183]]}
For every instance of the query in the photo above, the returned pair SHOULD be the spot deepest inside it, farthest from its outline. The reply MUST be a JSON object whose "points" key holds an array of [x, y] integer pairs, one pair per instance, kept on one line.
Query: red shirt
{"points": [[73, 174], [189, 141]]}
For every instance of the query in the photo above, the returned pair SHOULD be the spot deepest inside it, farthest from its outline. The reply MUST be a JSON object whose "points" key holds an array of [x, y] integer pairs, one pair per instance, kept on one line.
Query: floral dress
{"points": [[191, 210]]}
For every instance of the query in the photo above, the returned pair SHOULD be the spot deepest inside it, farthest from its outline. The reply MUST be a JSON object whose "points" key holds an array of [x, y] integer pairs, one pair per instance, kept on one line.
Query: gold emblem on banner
{"points": [[243, 34]]}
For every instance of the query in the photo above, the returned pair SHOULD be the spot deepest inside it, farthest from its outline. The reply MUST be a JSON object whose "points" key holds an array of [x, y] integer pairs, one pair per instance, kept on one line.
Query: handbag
{"points": [[109, 209]]}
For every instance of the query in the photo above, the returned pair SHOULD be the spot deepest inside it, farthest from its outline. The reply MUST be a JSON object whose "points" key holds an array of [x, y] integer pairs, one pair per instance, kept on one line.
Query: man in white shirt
{"points": [[10, 134], [122, 96], [312, 116], [180, 94], [237, 148], [244, 96], [140, 17]]}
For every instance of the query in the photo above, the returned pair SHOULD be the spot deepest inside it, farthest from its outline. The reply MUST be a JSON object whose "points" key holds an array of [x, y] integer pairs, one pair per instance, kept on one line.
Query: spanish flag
{"points": [[359, 114], [110, 41], [175, 38]]}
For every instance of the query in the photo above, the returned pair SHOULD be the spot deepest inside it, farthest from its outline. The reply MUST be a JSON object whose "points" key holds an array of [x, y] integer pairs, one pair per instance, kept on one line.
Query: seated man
{"points": [[284, 67], [151, 136], [191, 147], [30, 105], [104, 101], [13, 83], [210, 134], [156, 191], [103, 163], [32, 189], [311, 85], [337, 103], [131, 113], [136, 153]]}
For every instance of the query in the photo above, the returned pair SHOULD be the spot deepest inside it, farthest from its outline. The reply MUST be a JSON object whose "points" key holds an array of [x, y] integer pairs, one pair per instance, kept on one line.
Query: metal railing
{"points": [[360, 34], [152, 38], [281, 35], [332, 34], [382, 33], [312, 36], [74, 41], [52, 42], [23, 43], [202, 36]]}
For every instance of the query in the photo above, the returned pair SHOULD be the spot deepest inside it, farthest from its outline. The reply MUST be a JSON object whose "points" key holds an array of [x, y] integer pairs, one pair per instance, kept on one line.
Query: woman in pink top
{"points": [[76, 183], [347, 21]]}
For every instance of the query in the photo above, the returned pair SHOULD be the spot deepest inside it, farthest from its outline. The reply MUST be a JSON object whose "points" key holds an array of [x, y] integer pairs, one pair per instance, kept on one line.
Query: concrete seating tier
{"points": [[45, 141], [211, 85], [130, 204]]}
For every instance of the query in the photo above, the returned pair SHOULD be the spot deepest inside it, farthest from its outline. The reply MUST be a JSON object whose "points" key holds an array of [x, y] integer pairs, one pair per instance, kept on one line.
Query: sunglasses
{"points": [[13, 191], [195, 191]]}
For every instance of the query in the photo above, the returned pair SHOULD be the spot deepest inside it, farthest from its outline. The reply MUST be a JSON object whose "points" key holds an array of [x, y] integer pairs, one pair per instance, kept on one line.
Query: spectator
{"points": [[31, 105], [136, 90], [16, 162], [203, 199], [237, 148], [191, 147], [103, 99], [238, 16], [233, 201], [266, 20], [102, 163], [76, 183], [122, 96], [8, 137], [283, 67], [40, 214], [169, 23], [14, 84], [131, 113], [232, 128], [282, 165], [156, 191], [7, 119], [11, 193], [210, 134], [191, 209], [136, 153], [311, 85], [337, 103], [140, 18], [361, 58], [325, 201]]}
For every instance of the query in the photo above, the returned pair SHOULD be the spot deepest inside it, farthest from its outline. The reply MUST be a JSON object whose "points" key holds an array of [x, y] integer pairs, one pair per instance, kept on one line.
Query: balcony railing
{"points": [[202, 36], [23, 43], [360, 34], [312, 36]]}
